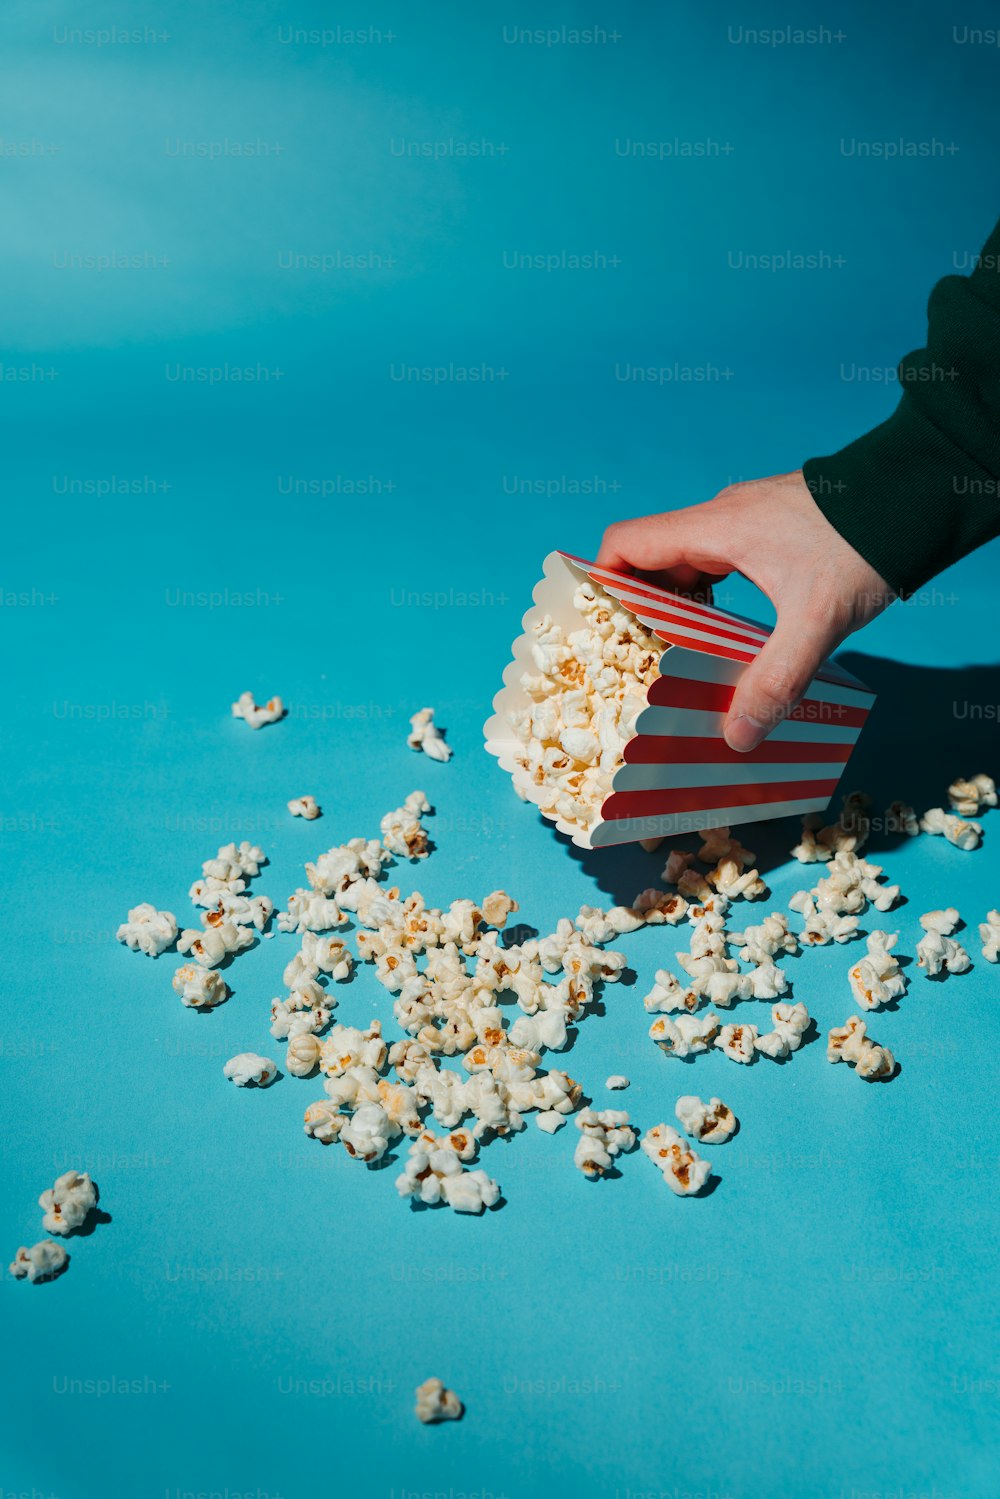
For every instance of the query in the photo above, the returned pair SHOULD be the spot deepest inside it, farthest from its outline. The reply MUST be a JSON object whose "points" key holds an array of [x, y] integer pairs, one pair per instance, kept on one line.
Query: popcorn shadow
{"points": [[390, 1158], [53, 1275], [624, 870], [96, 1218], [712, 1185], [610, 1173], [416, 1206], [949, 715], [809, 1035], [330, 985], [230, 957], [514, 936], [252, 1086]]}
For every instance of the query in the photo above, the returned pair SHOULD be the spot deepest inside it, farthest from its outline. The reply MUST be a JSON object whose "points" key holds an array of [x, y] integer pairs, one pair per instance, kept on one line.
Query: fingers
{"points": [[651, 543], [683, 550], [772, 684]]}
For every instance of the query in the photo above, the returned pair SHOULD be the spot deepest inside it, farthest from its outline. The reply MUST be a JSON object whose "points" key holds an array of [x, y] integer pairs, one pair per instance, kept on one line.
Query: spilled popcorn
{"points": [[877, 979], [684, 1172], [962, 832], [425, 735], [435, 1403], [247, 1068], [969, 798], [710, 1122], [43, 1261], [256, 715], [604, 1134], [587, 690], [67, 1205], [199, 988], [989, 936], [849, 1043], [148, 930], [479, 1012], [305, 806], [937, 951]]}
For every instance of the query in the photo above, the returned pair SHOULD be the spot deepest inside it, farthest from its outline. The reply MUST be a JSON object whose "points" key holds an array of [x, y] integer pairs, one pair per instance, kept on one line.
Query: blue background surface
{"points": [[822, 1323]]}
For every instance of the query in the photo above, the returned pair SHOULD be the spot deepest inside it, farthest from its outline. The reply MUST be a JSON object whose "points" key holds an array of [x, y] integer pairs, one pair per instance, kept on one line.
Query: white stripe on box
{"points": [[665, 777], [639, 603], [709, 628], [699, 723], [697, 630], [693, 666], [619, 586]]}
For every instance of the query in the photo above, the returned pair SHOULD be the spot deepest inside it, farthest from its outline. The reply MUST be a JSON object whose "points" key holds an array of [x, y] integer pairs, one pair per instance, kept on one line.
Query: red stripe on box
{"points": [[702, 615], [710, 627], [624, 804], [705, 647], [647, 590], [715, 697], [654, 749]]}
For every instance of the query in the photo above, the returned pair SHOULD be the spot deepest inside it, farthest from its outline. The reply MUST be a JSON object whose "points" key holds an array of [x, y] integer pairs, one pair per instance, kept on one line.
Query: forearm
{"points": [[923, 489]]}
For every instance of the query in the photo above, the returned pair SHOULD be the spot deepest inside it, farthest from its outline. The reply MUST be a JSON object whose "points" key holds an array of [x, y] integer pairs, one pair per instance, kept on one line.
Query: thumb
{"points": [[774, 682]]}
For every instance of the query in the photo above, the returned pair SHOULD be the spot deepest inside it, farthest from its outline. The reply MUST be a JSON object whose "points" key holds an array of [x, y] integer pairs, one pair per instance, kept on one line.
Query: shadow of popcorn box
{"points": [[678, 774]]}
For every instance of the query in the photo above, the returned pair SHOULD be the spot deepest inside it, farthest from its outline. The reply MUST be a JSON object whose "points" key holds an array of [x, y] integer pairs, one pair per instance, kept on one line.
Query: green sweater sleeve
{"points": [[923, 489]]}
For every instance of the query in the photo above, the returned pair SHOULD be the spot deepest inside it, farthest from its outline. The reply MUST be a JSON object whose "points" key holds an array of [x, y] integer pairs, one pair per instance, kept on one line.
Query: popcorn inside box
{"points": [[610, 715]]}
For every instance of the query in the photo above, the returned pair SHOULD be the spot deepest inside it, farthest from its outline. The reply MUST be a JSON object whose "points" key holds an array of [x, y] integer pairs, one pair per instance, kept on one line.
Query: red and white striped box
{"points": [[679, 775]]}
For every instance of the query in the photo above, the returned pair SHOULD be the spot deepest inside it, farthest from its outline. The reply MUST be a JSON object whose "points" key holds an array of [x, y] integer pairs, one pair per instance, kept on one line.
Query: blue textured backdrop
{"points": [[248, 187]]}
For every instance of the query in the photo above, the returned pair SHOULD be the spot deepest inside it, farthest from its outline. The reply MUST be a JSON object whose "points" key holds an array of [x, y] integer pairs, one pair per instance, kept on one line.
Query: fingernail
{"points": [[744, 733]]}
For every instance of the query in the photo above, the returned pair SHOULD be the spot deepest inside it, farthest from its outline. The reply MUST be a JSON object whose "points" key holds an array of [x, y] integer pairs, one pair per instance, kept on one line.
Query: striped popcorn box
{"points": [[678, 774]]}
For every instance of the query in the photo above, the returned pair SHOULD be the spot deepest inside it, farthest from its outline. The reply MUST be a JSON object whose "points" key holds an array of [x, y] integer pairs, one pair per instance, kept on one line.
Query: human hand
{"points": [[773, 532]]}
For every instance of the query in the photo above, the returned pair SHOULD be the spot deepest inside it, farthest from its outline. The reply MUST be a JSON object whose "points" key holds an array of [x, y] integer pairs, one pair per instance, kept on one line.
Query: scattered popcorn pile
{"points": [[452, 980], [66, 1206], [588, 690], [967, 798], [229, 920]]}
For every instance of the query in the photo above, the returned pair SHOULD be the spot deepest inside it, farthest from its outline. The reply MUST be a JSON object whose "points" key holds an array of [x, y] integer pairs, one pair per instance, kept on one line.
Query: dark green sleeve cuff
{"points": [[923, 489], [908, 500]]}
